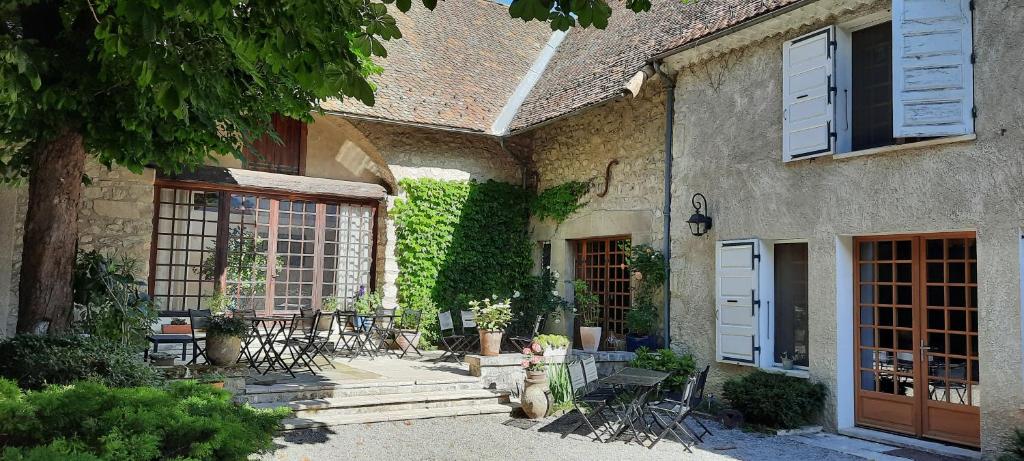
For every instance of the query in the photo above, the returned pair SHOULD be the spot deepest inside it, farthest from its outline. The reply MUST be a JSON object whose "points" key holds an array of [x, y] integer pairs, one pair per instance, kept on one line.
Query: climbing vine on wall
{"points": [[560, 201], [457, 241]]}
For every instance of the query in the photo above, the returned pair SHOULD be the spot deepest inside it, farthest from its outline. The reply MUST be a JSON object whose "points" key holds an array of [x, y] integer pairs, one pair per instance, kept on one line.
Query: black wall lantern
{"points": [[700, 223]]}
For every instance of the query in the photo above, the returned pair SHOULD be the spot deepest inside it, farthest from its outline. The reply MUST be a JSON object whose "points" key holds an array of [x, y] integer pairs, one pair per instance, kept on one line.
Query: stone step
{"points": [[292, 392], [325, 419], [390, 402]]}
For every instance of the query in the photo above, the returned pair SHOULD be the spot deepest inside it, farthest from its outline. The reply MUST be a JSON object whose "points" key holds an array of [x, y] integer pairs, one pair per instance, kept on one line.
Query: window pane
{"points": [[791, 302]]}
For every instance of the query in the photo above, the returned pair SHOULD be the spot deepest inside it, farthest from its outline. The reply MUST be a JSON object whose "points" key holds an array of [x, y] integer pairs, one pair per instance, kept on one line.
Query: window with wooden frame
{"points": [[601, 262], [287, 156], [268, 252]]}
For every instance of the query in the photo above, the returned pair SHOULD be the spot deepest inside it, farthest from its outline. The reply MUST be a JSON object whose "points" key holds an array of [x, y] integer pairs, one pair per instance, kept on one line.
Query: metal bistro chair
{"points": [[300, 329], [451, 340], [590, 404], [523, 341], [411, 318], [315, 342], [251, 336], [199, 321], [351, 338], [673, 420], [382, 330], [470, 332]]}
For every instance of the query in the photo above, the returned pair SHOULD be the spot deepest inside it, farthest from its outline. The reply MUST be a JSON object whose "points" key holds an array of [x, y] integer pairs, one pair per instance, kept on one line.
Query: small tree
{"points": [[164, 83]]}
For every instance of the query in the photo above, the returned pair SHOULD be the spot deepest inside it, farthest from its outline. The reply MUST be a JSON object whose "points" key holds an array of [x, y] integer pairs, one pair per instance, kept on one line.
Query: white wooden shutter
{"points": [[933, 79], [736, 302], [807, 93]]}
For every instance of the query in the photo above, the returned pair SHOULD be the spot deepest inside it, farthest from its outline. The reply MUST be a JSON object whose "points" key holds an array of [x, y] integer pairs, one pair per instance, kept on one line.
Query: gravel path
{"points": [[486, 437]]}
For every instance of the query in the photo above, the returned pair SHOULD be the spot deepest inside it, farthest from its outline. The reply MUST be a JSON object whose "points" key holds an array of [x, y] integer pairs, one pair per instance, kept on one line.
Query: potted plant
{"points": [[787, 360], [215, 380], [366, 305], [224, 339], [642, 321], [587, 305], [178, 326], [553, 345], [491, 320], [534, 400]]}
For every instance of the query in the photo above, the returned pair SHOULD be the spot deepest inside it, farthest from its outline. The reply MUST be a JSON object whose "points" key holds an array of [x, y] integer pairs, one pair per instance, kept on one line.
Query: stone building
{"points": [[860, 161]]}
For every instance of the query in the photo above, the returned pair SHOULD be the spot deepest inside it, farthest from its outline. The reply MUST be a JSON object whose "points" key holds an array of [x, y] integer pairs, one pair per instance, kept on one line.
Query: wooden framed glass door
{"points": [[916, 357]]}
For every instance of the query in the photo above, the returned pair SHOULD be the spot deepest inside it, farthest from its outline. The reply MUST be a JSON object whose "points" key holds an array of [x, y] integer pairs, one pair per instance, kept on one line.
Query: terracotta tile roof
{"points": [[455, 66], [591, 66]]}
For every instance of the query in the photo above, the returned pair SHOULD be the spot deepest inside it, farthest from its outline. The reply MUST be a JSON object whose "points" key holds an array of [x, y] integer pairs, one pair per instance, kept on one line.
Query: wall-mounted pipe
{"points": [[670, 103]]}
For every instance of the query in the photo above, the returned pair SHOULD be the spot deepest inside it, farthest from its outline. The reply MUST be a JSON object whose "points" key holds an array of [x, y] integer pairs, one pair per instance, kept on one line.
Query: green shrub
{"points": [[775, 400], [538, 296], [222, 325], [34, 361], [552, 341], [681, 366], [1014, 449], [85, 420], [112, 303], [560, 386]]}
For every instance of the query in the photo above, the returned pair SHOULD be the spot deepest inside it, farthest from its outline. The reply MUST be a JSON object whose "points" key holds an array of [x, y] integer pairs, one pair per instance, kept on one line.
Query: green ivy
{"points": [[457, 241], [560, 201]]}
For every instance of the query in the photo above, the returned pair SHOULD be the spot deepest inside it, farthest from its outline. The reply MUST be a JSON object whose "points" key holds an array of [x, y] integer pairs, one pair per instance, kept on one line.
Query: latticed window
{"points": [[269, 253], [601, 262]]}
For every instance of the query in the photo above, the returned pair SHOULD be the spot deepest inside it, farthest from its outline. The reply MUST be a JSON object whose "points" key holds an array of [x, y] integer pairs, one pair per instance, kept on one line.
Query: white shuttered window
{"points": [[932, 72], [737, 302], [807, 95]]}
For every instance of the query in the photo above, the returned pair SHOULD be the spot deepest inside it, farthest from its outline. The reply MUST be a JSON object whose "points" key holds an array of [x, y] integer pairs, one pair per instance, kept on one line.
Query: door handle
{"points": [[731, 301]]}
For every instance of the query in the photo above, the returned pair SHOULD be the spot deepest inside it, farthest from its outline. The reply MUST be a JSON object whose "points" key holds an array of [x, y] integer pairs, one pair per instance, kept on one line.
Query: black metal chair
{"points": [[199, 321], [589, 403], [525, 339], [469, 331], [411, 320], [351, 338], [301, 330], [382, 330], [315, 342], [251, 336], [672, 420], [451, 340]]}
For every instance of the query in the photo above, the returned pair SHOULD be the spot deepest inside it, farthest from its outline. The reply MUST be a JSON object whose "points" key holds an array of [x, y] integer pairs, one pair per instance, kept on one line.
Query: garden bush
{"points": [[775, 400], [681, 366], [89, 420], [33, 361], [1014, 448]]}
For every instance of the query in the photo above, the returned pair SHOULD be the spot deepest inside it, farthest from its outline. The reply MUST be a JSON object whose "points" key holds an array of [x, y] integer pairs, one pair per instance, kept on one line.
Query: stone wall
{"points": [[630, 130], [728, 147]]}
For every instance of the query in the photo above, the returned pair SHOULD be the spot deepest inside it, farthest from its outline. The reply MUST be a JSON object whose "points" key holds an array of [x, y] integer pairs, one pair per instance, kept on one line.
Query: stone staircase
{"points": [[335, 404]]}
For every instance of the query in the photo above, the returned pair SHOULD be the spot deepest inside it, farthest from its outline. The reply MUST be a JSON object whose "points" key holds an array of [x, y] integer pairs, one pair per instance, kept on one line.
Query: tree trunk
{"points": [[51, 234]]}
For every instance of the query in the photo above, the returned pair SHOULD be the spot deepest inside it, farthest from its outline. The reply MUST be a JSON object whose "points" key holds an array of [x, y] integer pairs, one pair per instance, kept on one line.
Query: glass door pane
{"points": [[347, 252], [295, 256], [885, 303], [247, 253]]}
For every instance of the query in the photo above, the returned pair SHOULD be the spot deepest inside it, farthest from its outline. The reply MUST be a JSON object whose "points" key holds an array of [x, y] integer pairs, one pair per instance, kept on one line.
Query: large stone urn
{"points": [[535, 399], [490, 342], [222, 349]]}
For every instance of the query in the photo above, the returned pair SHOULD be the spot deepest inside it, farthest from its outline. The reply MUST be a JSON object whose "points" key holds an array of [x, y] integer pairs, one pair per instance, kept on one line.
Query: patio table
{"points": [[633, 387]]}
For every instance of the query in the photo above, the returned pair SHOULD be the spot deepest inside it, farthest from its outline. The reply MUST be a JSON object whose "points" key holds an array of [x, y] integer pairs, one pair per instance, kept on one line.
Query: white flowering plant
{"points": [[490, 315]]}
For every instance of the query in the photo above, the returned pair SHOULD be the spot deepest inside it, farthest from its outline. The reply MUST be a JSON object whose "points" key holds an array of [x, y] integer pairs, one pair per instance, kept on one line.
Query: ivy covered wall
{"points": [[457, 241]]}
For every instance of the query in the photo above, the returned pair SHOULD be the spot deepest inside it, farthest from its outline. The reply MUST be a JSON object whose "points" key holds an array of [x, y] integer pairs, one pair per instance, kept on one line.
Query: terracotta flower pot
{"points": [[170, 329], [402, 341], [490, 342], [535, 400], [590, 338], [223, 350], [217, 385]]}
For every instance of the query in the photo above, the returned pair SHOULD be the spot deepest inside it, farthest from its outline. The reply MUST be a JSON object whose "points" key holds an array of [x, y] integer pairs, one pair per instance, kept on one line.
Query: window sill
{"points": [[796, 372], [908, 146]]}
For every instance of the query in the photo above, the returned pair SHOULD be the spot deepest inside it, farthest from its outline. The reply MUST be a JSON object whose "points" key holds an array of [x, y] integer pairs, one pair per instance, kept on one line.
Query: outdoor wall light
{"points": [[700, 223]]}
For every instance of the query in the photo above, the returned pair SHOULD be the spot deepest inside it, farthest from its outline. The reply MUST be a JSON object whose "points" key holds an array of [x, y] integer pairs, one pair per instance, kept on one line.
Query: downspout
{"points": [[670, 100]]}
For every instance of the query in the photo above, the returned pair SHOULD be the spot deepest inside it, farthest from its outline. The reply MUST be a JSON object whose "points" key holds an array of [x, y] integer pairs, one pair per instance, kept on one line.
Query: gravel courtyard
{"points": [[486, 437]]}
